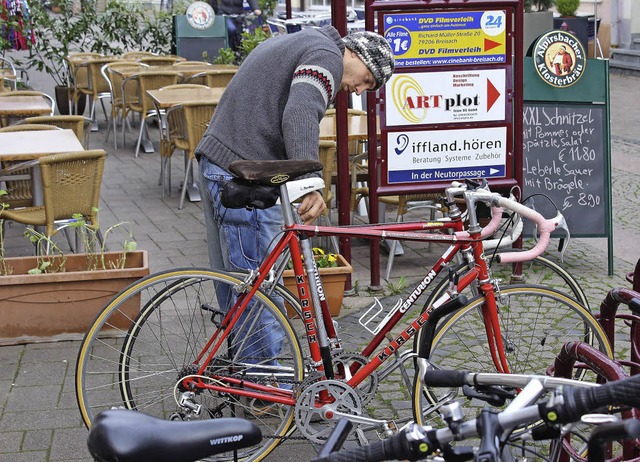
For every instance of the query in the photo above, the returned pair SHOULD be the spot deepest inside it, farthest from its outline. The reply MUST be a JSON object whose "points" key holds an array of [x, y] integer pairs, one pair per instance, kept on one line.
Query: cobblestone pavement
{"points": [[39, 420]]}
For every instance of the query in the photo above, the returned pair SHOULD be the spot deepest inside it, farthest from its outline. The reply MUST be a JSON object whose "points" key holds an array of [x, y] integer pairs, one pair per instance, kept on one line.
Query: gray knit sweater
{"points": [[272, 107]]}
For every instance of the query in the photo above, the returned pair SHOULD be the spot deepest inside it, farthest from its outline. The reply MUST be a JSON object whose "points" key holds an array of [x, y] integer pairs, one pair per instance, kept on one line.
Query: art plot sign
{"points": [[446, 97], [447, 38]]}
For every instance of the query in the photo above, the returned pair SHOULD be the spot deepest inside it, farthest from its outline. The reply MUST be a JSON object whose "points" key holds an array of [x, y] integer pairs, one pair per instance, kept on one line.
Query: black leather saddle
{"points": [[120, 435], [257, 185]]}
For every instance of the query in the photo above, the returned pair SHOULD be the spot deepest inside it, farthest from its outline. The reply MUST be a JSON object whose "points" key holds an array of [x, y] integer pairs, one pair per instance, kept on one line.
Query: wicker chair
{"points": [[186, 125], [142, 104], [8, 74], [118, 106], [78, 74], [98, 87], [17, 183], [159, 60], [191, 64], [71, 185], [77, 123], [213, 78], [135, 55], [405, 203]]}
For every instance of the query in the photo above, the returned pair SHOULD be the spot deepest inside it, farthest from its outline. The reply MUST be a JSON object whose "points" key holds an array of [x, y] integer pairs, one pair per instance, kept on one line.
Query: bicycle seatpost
{"points": [[311, 269]]}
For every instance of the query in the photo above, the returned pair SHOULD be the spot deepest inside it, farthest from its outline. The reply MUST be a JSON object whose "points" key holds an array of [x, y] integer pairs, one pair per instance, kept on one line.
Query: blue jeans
{"points": [[239, 239]]}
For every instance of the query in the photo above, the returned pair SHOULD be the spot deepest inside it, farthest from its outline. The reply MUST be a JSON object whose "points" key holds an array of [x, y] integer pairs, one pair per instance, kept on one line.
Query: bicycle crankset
{"points": [[344, 364], [319, 404]]}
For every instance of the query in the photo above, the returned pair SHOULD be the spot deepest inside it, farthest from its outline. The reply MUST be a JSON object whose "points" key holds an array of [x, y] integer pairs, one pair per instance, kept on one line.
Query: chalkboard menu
{"points": [[564, 157]]}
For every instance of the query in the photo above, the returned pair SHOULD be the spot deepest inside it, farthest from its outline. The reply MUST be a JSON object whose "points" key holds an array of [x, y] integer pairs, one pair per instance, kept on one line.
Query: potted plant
{"points": [[567, 8], [55, 36], [56, 296], [121, 26], [570, 21], [249, 40], [333, 269], [538, 19]]}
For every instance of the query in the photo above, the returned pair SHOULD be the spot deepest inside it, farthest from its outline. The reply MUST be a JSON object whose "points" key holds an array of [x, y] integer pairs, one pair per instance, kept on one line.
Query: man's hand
{"points": [[311, 207]]}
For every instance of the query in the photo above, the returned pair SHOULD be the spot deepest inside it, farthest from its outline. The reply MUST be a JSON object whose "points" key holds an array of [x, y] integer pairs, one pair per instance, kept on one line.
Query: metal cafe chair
{"points": [[186, 125], [71, 185]]}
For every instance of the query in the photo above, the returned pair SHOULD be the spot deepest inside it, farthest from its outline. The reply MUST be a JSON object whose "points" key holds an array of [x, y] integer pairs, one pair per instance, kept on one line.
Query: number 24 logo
{"points": [[494, 21]]}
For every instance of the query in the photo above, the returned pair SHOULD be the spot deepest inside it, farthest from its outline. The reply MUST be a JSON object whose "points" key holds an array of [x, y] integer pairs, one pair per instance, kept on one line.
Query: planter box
{"points": [[578, 25], [333, 281], [535, 24], [62, 306]]}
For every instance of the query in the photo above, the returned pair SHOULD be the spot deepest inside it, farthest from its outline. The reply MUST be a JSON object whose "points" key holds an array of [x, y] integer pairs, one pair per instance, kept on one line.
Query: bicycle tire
{"points": [[136, 361], [539, 271], [530, 319]]}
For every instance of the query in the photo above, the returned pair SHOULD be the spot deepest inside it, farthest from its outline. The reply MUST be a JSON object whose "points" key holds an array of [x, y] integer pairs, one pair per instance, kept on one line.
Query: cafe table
{"points": [[23, 106], [356, 127], [184, 71], [164, 98], [28, 145]]}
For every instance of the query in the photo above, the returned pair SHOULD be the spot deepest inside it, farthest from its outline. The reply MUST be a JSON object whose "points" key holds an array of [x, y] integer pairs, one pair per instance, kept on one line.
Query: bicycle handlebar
{"points": [[611, 431], [497, 202], [545, 226], [580, 401], [416, 442]]}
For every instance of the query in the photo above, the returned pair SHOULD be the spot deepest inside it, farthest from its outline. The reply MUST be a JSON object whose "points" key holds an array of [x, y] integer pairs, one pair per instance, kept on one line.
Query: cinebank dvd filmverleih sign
{"points": [[447, 38]]}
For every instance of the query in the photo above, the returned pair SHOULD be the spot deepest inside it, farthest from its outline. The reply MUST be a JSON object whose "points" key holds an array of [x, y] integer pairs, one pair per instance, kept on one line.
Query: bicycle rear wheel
{"points": [[535, 322], [138, 359]]}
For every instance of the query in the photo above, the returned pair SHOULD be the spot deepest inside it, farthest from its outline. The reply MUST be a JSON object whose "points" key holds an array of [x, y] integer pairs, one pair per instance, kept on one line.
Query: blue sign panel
{"points": [[446, 174]]}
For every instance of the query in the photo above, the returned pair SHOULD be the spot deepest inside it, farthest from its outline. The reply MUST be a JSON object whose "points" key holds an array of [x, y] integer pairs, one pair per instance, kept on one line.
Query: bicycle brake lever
{"points": [[458, 453], [495, 396], [453, 282], [473, 184], [564, 242]]}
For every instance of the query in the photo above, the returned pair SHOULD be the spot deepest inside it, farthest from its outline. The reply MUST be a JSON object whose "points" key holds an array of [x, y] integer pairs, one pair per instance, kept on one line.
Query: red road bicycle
{"points": [[175, 343]]}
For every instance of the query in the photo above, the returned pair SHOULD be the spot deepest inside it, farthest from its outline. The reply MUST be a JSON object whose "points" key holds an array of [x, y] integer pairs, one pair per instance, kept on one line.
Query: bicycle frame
{"points": [[319, 328]]}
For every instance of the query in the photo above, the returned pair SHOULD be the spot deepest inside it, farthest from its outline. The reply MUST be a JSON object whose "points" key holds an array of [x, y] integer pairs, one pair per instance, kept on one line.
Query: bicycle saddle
{"points": [[127, 436], [273, 172]]}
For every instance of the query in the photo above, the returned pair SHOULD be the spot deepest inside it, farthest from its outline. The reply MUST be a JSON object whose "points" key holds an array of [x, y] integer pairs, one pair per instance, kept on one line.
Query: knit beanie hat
{"points": [[375, 52]]}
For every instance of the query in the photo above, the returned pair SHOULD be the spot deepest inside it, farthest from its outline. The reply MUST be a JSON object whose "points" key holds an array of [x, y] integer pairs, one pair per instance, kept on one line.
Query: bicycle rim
{"points": [[148, 337], [535, 322]]}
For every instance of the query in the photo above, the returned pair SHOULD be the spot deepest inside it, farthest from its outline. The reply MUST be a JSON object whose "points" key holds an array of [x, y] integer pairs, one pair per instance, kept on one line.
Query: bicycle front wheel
{"points": [[153, 334], [535, 322]]}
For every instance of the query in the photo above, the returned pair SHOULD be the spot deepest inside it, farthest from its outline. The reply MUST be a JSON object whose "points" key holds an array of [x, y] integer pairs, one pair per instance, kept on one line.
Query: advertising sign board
{"points": [[447, 37], [424, 98], [446, 155]]}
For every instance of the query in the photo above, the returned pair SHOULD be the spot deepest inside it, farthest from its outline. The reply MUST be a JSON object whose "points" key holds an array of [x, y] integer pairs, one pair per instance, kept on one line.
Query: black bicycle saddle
{"points": [[120, 435], [273, 172]]}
